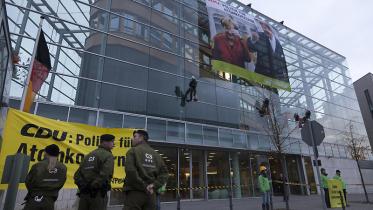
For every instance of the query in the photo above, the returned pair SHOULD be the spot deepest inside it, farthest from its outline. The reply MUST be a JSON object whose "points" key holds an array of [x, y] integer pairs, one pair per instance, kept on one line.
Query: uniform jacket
{"points": [[144, 166], [43, 182], [96, 170]]}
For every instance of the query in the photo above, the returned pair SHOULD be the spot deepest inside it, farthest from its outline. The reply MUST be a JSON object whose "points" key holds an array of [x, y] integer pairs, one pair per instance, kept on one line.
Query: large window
{"points": [[218, 174], [184, 176], [169, 156], [369, 101], [198, 174]]}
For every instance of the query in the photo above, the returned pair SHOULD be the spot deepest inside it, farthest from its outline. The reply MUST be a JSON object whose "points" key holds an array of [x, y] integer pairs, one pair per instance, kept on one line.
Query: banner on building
{"points": [[336, 193], [246, 47], [30, 134]]}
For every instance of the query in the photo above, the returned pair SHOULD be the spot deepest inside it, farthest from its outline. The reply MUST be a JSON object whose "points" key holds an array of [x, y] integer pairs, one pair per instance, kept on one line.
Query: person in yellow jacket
{"points": [[324, 186], [265, 187], [343, 183]]}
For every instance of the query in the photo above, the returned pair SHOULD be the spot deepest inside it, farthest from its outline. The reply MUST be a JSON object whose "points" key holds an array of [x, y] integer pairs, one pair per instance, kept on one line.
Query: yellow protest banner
{"points": [[336, 193], [30, 134]]}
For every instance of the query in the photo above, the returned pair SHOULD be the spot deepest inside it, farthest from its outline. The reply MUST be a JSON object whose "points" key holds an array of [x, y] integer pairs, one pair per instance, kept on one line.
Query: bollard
{"points": [[271, 201], [343, 204], [18, 169], [230, 202], [178, 201], [158, 207]]}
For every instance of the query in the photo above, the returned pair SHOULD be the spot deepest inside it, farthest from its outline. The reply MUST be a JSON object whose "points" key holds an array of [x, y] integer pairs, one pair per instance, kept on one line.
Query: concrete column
{"points": [[236, 175]]}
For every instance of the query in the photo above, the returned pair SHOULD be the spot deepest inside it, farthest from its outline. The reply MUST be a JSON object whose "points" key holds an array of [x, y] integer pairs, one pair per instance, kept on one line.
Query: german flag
{"points": [[39, 72]]}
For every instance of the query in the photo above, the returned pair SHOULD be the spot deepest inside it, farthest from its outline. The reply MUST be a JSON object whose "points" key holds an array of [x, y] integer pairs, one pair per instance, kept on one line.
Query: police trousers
{"points": [[137, 200], [87, 202], [39, 203]]}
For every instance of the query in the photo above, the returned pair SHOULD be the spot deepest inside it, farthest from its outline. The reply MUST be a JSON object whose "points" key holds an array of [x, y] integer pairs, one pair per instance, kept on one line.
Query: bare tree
{"points": [[276, 126], [357, 147]]}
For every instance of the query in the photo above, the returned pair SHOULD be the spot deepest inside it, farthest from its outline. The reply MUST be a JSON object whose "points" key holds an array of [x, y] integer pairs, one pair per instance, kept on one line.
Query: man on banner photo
{"points": [[270, 59], [40, 67]]}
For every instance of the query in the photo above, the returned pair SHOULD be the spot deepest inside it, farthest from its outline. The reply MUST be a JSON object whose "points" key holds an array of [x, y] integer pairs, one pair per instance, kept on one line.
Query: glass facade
{"points": [[6, 58], [117, 63]]}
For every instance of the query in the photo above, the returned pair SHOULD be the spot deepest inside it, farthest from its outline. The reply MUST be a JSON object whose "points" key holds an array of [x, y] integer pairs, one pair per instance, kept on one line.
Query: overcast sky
{"points": [[344, 26]]}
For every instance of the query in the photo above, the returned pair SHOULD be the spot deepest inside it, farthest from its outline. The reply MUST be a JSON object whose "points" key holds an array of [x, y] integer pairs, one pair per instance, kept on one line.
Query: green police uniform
{"points": [[143, 166], [93, 179], [43, 185]]}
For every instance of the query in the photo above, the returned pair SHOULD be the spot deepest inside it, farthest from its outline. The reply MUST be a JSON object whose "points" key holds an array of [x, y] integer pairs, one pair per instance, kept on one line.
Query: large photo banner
{"points": [[30, 134], [246, 47]]}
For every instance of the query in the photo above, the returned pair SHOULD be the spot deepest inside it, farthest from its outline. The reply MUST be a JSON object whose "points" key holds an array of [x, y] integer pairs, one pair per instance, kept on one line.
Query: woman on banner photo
{"points": [[228, 45]]}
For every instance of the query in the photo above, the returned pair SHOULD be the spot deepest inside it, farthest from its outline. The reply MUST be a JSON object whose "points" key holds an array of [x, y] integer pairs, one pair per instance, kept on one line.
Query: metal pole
{"points": [[158, 197], [23, 25], [178, 179], [315, 154], [54, 69], [271, 183], [12, 190], [31, 64], [230, 184]]}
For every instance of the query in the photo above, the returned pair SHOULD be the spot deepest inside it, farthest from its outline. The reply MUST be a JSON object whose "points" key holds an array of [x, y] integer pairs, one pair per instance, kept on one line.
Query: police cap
{"points": [[52, 150], [107, 137]]}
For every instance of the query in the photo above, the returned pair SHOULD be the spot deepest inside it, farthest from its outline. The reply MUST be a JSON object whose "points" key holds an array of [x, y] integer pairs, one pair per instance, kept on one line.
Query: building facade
{"points": [[118, 63], [364, 92]]}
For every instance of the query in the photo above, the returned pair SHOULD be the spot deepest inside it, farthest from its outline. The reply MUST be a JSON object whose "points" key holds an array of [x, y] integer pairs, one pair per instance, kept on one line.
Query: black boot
{"points": [[267, 206], [263, 207]]}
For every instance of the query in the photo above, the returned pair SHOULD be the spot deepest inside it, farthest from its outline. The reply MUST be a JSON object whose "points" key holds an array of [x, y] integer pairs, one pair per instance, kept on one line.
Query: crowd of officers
{"points": [[146, 176]]}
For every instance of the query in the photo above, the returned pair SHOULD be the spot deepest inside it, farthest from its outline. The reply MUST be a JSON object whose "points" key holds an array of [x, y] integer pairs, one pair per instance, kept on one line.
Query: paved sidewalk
{"points": [[312, 202]]}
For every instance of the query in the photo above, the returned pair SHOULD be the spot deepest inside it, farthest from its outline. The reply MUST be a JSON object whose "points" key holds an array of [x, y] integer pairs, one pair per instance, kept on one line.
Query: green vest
{"points": [[343, 183], [263, 184], [324, 182]]}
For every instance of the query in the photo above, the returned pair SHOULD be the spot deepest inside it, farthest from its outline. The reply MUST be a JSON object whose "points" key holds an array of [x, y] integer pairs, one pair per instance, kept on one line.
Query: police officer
{"points": [[93, 177], [146, 174], [44, 180]]}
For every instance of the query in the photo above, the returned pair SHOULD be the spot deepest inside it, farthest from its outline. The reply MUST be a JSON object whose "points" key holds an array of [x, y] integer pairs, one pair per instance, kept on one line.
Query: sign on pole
{"points": [[317, 131]]}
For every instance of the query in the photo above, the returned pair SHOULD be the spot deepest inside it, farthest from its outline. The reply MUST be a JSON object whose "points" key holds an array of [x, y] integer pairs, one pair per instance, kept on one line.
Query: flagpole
{"points": [[31, 64]]}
